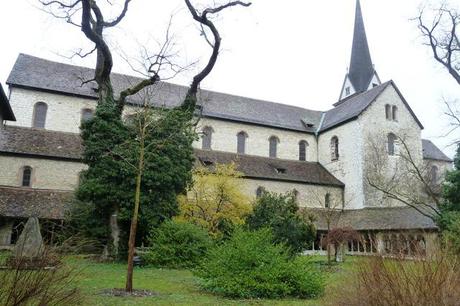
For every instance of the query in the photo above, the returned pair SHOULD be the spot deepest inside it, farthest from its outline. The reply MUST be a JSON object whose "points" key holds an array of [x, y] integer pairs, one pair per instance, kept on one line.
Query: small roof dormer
{"points": [[361, 75]]}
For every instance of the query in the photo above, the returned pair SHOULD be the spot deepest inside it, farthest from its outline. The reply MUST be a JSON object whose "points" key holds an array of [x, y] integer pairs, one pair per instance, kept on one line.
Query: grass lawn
{"points": [[174, 287]]}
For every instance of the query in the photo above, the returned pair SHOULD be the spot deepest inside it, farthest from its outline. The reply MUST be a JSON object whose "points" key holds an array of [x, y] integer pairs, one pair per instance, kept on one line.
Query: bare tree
{"points": [[331, 211], [401, 176], [92, 23], [439, 31]]}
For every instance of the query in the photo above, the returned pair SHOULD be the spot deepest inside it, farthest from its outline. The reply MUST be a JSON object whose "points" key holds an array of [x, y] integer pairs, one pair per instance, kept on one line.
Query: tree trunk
{"points": [[328, 245], [132, 232]]}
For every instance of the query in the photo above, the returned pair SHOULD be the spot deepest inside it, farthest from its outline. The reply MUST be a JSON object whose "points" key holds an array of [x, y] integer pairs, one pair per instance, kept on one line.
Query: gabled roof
{"points": [[271, 168], [36, 73], [5, 107], [378, 218], [431, 151], [361, 68], [350, 108]]}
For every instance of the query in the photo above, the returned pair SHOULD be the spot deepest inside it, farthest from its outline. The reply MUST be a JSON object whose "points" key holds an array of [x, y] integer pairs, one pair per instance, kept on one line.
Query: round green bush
{"points": [[177, 245], [249, 265]]}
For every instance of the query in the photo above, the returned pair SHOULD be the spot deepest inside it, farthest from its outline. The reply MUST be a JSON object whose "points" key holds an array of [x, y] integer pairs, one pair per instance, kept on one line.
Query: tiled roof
{"points": [[350, 108], [40, 142], [384, 218], [5, 107], [431, 151], [272, 168], [27, 202], [43, 143], [37, 73]]}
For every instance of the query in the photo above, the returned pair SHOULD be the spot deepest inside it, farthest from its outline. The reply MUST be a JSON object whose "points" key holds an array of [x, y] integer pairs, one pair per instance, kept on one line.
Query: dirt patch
{"points": [[123, 293]]}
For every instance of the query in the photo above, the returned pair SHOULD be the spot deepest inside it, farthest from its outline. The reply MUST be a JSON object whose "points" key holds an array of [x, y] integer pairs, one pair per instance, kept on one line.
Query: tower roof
{"points": [[361, 68]]}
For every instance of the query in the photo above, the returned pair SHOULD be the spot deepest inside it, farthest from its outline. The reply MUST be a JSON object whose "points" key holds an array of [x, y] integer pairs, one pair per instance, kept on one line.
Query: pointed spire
{"points": [[361, 68]]}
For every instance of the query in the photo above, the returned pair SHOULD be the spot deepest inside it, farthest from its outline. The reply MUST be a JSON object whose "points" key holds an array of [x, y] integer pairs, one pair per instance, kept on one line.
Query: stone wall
{"points": [[46, 174], [348, 168], [225, 133], [375, 136], [307, 195]]}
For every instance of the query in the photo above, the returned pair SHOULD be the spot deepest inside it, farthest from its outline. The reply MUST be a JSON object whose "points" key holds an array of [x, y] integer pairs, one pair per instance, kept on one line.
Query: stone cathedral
{"points": [[321, 155]]}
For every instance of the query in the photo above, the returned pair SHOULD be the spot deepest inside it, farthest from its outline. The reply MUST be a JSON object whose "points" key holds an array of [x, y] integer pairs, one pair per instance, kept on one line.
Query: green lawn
{"points": [[174, 287]]}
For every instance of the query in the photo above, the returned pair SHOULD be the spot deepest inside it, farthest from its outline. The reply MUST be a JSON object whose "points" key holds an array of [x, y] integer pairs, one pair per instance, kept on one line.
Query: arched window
{"points": [[39, 119], [434, 174], [241, 142], [295, 194], [260, 191], [391, 144], [394, 113], [273, 146], [86, 114], [207, 138], [388, 111], [334, 148], [303, 150], [26, 176], [327, 200]]}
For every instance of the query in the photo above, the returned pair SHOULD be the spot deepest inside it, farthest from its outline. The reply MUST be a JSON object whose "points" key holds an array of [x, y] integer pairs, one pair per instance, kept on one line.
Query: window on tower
{"points": [[334, 148], [347, 90], [391, 144]]}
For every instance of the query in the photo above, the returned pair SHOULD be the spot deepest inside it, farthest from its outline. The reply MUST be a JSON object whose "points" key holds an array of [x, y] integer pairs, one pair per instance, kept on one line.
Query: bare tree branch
{"points": [[202, 18], [442, 38]]}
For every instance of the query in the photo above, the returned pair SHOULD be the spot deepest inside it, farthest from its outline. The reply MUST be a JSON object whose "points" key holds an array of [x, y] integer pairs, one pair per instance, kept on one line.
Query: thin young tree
{"points": [[90, 18]]}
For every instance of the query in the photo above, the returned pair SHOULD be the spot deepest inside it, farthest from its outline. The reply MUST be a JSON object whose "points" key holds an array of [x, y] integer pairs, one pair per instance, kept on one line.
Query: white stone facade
{"points": [[46, 173], [224, 138], [64, 114]]}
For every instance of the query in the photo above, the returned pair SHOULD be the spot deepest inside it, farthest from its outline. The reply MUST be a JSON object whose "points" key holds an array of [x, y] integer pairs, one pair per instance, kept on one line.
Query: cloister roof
{"points": [[375, 218]]}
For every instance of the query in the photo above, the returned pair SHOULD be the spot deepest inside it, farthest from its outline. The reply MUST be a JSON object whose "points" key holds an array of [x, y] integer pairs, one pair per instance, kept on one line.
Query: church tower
{"points": [[361, 75]]}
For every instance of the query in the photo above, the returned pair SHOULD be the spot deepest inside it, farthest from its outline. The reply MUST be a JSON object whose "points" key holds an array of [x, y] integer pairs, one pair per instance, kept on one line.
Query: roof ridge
{"points": [[204, 90]]}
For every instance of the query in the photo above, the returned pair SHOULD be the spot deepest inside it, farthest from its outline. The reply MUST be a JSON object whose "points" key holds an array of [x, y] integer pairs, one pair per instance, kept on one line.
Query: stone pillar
{"points": [[379, 243], [431, 242], [6, 230]]}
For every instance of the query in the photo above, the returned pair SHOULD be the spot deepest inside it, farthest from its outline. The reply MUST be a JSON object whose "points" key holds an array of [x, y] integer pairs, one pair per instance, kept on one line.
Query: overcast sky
{"points": [[292, 51]]}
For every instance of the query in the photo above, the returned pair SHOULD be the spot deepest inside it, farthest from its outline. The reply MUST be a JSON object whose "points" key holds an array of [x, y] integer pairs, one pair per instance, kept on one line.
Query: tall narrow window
{"points": [[327, 200], [388, 111], [207, 138], [260, 191], [273, 146], [40, 110], [347, 90], [86, 114], [434, 174], [391, 144], [303, 145], [241, 142], [26, 176], [394, 113], [334, 148]]}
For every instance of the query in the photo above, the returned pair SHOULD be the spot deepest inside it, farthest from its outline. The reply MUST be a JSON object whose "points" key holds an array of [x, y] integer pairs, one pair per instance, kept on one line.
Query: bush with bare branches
{"points": [[45, 281], [380, 281]]}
